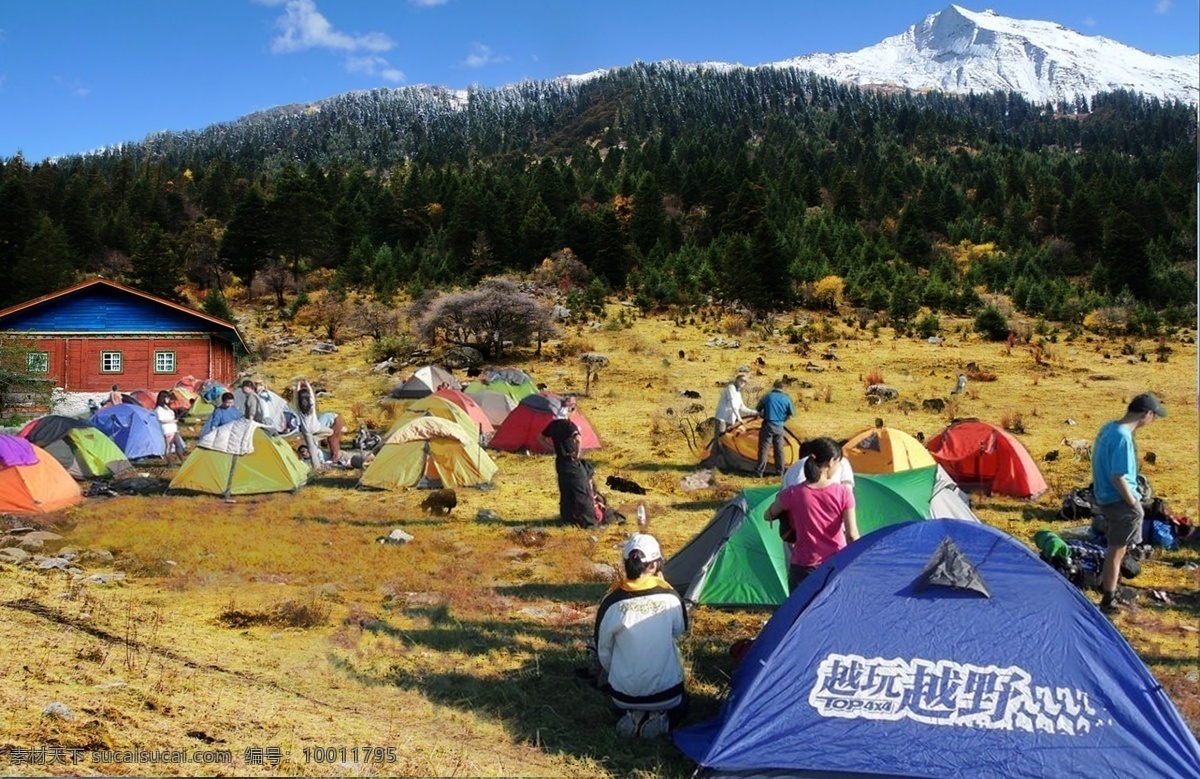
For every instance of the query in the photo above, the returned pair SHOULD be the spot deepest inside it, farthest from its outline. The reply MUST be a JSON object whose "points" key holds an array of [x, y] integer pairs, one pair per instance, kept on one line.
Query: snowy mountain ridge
{"points": [[957, 50]]}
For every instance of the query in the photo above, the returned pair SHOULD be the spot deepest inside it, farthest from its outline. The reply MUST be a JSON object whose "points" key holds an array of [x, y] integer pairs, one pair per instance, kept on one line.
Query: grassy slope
{"points": [[459, 647]]}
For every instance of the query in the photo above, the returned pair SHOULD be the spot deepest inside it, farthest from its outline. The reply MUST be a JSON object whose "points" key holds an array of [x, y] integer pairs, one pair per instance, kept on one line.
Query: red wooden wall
{"points": [[75, 361]]}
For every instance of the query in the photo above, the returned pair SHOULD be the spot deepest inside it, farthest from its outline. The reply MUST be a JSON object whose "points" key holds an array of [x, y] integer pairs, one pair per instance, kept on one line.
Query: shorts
{"points": [[326, 418], [1120, 522]]}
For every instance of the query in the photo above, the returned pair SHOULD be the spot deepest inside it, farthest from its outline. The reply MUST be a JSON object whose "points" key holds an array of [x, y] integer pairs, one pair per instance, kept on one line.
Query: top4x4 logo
{"points": [[944, 692]]}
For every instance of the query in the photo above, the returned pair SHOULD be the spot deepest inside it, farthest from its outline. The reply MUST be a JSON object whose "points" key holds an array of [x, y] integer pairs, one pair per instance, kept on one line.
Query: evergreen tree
{"points": [[246, 244], [45, 266], [1125, 260], [299, 220], [155, 267]]}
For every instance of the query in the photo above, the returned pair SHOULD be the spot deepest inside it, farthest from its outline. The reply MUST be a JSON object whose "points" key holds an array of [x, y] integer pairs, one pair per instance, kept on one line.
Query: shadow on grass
{"points": [[575, 592], [541, 700], [654, 467], [526, 522], [699, 505], [384, 522]]}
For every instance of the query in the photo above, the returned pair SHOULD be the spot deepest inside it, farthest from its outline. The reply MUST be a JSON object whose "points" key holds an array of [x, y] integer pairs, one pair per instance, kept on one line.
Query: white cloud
{"points": [[482, 56], [427, 3], [1162, 6], [373, 65], [303, 27], [73, 85], [1090, 21]]}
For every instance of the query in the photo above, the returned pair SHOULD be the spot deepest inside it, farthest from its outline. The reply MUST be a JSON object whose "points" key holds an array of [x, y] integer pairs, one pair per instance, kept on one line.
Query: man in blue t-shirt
{"points": [[1114, 483], [775, 408]]}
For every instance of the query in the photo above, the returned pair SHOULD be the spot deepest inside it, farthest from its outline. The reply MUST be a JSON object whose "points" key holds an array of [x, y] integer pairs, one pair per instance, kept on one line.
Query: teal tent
{"points": [[738, 559]]}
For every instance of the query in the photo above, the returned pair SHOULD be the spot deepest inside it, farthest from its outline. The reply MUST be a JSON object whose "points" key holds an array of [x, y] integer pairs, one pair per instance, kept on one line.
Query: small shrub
{"points": [[929, 325], [874, 377], [288, 614], [991, 324], [392, 347], [569, 348], [1013, 421], [734, 325], [216, 305], [981, 376]]}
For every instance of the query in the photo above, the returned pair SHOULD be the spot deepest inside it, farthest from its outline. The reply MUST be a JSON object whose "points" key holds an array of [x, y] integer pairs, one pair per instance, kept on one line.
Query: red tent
{"points": [[468, 404], [520, 429], [981, 455]]}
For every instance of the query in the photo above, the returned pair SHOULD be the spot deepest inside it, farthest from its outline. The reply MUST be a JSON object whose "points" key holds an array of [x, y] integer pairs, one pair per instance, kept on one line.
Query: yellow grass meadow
{"points": [[277, 631]]}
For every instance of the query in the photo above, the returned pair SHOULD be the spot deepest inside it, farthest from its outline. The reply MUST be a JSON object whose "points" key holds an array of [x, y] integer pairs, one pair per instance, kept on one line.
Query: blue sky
{"points": [[76, 75]]}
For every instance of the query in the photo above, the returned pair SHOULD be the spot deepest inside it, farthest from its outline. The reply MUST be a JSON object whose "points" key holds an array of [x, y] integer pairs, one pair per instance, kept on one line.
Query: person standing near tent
{"points": [[819, 512], [776, 409], [115, 397], [254, 405], [1114, 484], [575, 503], [327, 425], [731, 410], [221, 415], [170, 426], [636, 627]]}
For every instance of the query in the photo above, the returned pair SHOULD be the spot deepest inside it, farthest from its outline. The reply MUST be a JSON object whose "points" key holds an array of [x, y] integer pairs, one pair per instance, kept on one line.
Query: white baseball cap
{"points": [[644, 543]]}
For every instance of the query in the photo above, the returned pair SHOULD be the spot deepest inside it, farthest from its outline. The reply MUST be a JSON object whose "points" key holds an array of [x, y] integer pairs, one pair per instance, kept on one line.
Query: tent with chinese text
{"points": [[942, 648]]}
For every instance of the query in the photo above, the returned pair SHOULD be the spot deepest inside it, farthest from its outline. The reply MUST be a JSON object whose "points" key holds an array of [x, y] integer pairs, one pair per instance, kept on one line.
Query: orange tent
{"points": [[41, 487], [886, 450]]}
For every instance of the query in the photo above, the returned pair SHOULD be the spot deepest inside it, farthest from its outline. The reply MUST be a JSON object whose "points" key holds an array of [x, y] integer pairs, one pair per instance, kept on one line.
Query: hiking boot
{"points": [[629, 725], [654, 725], [1113, 603]]}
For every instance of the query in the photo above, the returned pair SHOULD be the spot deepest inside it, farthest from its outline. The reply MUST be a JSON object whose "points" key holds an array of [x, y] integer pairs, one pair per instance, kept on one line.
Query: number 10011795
{"points": [[360, 754]]}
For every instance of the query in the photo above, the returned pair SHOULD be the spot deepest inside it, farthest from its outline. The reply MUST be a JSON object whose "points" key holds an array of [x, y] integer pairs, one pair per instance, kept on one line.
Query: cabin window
{"points": [[37, 362], [164, 362], [110, 362]]}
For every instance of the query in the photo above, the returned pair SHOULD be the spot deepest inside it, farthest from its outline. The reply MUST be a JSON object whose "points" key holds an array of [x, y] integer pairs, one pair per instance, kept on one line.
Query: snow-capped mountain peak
{"points": [[958, 50]]}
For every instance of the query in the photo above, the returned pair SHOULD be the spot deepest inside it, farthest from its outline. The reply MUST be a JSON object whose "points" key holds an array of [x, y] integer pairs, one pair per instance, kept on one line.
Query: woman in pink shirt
{"points": [[819, 512]]}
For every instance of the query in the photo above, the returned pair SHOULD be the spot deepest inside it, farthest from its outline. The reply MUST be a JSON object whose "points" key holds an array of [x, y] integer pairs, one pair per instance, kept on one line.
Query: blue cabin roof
{"points": [[104, 307]]}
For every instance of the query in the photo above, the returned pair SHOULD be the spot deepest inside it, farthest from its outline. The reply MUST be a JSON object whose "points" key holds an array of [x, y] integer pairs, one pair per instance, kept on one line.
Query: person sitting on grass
{"points": [[636, 627], [321, 426], [345, 459]]}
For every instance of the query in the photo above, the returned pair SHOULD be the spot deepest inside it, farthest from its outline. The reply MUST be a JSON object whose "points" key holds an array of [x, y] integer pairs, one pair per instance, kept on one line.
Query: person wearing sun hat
{"points": [[636, 627], [1115, 486]]}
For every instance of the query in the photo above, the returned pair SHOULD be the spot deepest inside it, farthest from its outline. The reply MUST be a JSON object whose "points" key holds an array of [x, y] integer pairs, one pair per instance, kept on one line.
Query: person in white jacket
{"points": [[636, 627], [731, 410]]}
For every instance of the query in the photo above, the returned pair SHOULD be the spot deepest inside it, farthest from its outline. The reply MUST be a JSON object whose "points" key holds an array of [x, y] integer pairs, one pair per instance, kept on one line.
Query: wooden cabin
{"points": [[93, 335]]}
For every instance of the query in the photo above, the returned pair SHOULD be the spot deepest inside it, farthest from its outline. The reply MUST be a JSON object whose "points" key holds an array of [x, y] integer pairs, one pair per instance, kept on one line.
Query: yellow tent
{"points": [[271, 467], [886, 450], [441, 408], [429, 452]]}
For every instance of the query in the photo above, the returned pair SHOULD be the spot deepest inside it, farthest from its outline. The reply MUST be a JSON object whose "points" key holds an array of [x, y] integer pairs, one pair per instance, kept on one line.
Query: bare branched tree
{"points": [[372, 318], [487, 317]]}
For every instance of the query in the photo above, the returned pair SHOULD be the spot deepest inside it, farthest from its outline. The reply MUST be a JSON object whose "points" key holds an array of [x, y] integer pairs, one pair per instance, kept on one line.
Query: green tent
{"points": [[96, 453], [514, 383], [738, 558]]}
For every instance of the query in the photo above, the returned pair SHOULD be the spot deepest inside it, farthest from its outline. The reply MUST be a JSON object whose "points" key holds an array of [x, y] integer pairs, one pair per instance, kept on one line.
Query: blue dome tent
{"points": [[935, 649], [133, 428]]}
